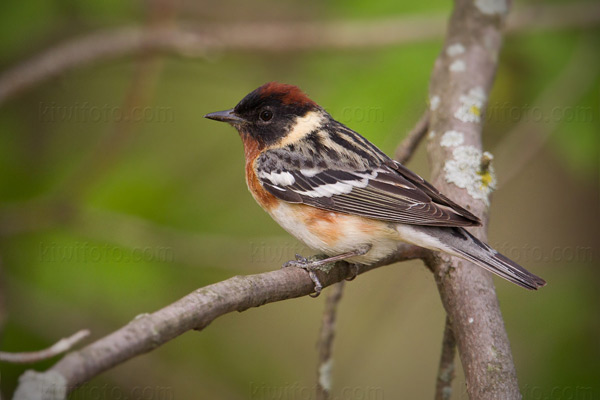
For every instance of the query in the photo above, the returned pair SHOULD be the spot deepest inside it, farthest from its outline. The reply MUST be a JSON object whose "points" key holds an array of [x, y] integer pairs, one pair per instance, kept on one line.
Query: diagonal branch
{"points": [[194, 311], [407, 147]]}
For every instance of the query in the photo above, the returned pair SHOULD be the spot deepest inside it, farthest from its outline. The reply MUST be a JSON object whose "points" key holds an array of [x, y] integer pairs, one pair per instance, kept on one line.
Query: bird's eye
{"points": [[266, 115]]}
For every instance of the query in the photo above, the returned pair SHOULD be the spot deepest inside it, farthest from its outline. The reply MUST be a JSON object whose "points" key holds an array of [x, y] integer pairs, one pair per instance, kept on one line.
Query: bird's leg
{"points": [[313, 264]]}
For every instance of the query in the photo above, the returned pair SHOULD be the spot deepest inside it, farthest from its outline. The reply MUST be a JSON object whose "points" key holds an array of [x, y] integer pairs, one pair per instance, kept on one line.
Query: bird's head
{"points": [[271, 112]]}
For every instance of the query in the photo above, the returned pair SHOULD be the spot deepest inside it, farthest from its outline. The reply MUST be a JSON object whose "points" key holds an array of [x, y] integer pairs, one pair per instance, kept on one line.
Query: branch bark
{"points": [[462, 77], [194, 311]]}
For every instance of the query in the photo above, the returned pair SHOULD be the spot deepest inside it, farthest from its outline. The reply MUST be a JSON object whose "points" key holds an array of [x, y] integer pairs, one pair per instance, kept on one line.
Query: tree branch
{"points": [[326, 339], [443, 387], [194, 311], [467, 292], [407, 147], [202, 41], [462, 77], [59, 347]]}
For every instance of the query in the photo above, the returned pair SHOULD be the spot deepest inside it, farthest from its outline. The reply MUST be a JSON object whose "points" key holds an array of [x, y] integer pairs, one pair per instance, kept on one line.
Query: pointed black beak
{"points": [[226, 116]]}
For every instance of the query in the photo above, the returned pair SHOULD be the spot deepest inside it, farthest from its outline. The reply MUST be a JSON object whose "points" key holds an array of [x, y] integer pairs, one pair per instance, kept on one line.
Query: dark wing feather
{"points": [[431, 191], [388, 192]]}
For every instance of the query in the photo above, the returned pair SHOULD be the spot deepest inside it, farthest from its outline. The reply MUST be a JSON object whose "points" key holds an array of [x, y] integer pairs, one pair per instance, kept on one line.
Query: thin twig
{"points": [[443, 387], [407, 147], [96, 47], [59, 347], [326, 339], [201, 41]]}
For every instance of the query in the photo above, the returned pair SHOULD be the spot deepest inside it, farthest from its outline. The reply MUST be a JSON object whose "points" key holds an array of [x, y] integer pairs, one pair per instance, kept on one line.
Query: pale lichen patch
{"points": [[491, 7], [434, 102], [452, 138], [471, 105], [464, 170], [325, 374], [458, 66], [455, 49], [431, 135]]}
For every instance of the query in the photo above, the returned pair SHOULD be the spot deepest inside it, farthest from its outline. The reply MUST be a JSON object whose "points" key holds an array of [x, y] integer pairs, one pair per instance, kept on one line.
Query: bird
{"points": [[339, 194]]}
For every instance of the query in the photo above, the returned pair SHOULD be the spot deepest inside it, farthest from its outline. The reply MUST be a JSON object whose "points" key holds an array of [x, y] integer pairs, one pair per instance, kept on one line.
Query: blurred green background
{"points": [[104, 217]]}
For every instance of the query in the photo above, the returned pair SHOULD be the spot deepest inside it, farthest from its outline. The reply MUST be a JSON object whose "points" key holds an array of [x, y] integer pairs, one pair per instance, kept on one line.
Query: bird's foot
{"points": [[310, 265], [318, 263]]}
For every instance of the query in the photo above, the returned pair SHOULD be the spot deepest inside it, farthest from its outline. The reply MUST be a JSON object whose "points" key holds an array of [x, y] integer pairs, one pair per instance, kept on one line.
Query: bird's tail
{"points": [[460, 243]]}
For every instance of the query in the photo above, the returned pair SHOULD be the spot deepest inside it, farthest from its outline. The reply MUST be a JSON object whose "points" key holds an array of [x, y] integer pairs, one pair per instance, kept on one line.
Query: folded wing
{"points": [[387, 192]]}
